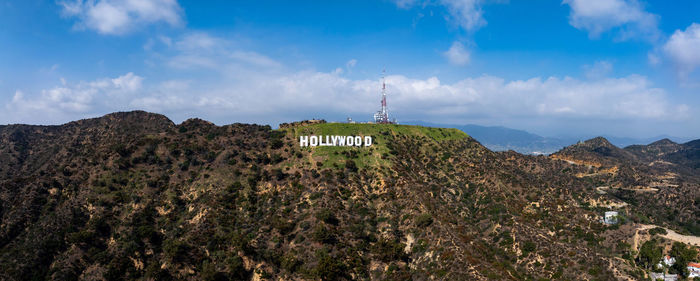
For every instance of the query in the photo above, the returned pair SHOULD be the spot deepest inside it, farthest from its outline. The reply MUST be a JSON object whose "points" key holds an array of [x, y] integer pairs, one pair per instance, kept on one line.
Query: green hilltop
{"points": [[378, 155]]}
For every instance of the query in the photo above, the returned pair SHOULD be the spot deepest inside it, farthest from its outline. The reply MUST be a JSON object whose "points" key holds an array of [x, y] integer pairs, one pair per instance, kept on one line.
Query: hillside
{"points": [[134, 196], [659, 180]]}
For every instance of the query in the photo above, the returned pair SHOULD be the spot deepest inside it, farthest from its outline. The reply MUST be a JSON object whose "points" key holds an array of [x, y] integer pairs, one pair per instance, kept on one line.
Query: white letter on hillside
{"points": [[341, 140], [304, 141], [349, 140], [334, 140], [368, 140], [358, 141], [313, 140]]}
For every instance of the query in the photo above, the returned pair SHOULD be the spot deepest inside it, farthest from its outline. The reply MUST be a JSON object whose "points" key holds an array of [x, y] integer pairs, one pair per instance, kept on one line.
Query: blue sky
{"points": [[577, 67]]}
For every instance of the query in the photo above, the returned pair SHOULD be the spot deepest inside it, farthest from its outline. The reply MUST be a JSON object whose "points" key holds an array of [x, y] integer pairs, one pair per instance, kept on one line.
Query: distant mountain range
{"points": [[498, 138]]}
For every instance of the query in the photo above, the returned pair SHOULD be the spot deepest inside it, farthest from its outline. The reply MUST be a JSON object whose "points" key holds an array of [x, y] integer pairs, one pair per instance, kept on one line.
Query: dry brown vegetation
{"points": [[134, 196]]}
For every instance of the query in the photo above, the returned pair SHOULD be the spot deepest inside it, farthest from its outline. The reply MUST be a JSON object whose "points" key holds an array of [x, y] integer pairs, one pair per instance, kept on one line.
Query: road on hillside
{"points": [[672, 235]]}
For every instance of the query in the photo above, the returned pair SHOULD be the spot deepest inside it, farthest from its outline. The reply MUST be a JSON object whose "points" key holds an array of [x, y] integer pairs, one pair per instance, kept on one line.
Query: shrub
{"points": [[424, 220], [237, 269], [290, 262], [323, 234], [350, 165], [389, 250], [176, 250], [278, 174], [658, 230], [528, 247], [327, 216], [329, 268]]}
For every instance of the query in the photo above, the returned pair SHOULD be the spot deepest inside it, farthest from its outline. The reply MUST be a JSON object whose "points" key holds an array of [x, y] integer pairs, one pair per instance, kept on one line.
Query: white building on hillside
{"points": [[694, 269], [667, 261], [610, 217], [662, 276]]}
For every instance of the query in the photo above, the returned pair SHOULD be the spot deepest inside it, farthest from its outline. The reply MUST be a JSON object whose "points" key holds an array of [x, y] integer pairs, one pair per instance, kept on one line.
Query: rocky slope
{"points": [[134, 196], [660, 180]]}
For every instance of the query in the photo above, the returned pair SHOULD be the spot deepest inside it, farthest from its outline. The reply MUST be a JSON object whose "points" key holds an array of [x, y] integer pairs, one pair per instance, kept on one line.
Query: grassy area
{"points": [[375, 156]]}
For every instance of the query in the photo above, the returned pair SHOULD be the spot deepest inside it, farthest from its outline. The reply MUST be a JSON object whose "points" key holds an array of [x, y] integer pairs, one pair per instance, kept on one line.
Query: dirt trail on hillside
{"points": [[675, 236]]}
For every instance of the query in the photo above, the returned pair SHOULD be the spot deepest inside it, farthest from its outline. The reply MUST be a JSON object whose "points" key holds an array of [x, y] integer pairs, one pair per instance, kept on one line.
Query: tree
{"points": [[329, 267], [683, 255], [650, 253]]}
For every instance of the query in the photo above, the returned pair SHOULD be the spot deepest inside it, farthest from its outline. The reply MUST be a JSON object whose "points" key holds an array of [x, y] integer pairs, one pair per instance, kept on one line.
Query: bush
{"points": [[290, 263], [283, 225], [278, 174], [658, 230], [528, 247], [237, 268], [329, 268], [325, 215], [389, 250], [176, 250], [323, 234], [424, 220], [350, 165]]}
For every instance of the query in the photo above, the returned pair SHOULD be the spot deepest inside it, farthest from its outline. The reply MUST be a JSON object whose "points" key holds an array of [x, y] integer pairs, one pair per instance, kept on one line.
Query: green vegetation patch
{"points": [[378, 154]]}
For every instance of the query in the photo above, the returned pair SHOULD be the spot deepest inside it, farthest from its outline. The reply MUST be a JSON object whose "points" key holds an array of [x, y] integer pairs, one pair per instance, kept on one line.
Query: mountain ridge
{"points": [[499, 138], [132, 195]]}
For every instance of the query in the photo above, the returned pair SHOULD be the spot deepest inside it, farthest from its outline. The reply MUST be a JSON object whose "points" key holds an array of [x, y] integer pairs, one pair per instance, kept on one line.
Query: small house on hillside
{"points": [[667, 261], [663, 276], [694, 269], [610, 217]]}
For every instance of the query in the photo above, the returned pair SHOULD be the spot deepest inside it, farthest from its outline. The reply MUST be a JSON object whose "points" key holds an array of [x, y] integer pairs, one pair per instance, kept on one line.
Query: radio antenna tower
{"points": [[382, 116], [385, 111]]}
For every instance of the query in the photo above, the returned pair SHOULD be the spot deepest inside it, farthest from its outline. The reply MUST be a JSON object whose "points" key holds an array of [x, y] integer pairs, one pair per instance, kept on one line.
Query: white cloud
{"points": [[466, 14], [199, 41], [457, 54], [653, 58], [404, 4], [684, 49], [200, 50], [600, 69], [627, 17], [254, 58], [121, 16], [74, 101], [351, 63]]}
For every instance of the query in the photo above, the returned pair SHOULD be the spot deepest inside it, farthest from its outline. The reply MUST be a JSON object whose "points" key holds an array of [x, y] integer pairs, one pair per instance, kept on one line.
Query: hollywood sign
{"points": [[335, 141]]}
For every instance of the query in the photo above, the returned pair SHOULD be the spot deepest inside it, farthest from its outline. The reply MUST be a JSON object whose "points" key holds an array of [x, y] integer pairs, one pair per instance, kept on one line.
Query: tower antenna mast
{"points": [[382, 116], [385, 111]]}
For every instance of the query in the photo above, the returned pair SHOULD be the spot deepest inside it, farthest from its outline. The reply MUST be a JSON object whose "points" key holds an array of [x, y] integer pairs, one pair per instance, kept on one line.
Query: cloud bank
{"points": [[252, 87]]}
